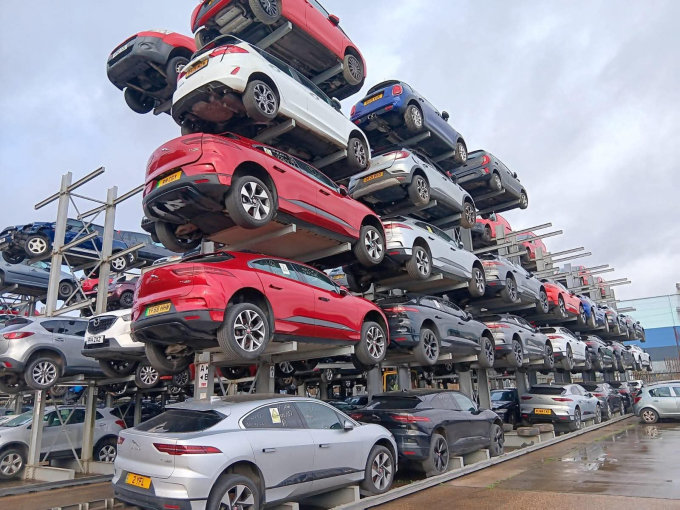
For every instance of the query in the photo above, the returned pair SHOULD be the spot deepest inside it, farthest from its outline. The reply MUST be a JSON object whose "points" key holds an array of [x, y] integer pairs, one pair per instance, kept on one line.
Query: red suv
{"points": [[192, 180], [316, 44], [486, 228], [531, 245], [243, 301], [563, 303]]}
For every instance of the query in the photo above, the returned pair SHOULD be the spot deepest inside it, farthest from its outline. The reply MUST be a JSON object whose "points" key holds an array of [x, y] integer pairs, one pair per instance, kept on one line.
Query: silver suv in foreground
{"points": [[656, 401], [560, 404], [246, 451]]}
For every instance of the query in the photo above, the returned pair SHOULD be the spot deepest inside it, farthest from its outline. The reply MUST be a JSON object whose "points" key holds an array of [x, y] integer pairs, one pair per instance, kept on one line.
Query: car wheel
{"points": [[12, 463], [115, 368], [119, 264], [548, 358], [621, 365], [182, 379], [357, 285], [166, 235], [477, 283], [419, 266], [138, 102], [266, 12], [12, 384], [66, 289], [37, 245], [127, 299], [57, 391], [379, 472], [244, 334], [234, 373], [599, 362], [487, 355], [234, 492], [353, 69], [42, 372], [487, 235], [607, 412], [568, 360], [515, 358], [461, 153], [523, 200], [419, 190], [427, 351], [13, 258], [543, 305], [369, 249], [284, 369], [560, 311], [592, 321], [174, 68], [582, 320], [372, 347], [468, 217], [576, 424], [497, 440], [260, 101], [598, 415], [250, 202], [328, 374], [509, 292], [649, 415], [413, 118], [166, 364], [495, 182], [438, 460], [588, 364], [146, 376], [357, 154], [106, 450]]}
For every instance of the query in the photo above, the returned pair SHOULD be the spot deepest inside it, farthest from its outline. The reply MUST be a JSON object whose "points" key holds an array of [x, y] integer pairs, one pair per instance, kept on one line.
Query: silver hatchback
{"points": [[656, 401], [560, 404]]}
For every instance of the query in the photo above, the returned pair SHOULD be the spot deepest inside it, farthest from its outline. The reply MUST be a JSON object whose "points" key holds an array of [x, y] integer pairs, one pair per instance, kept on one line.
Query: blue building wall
{"points": [[660, 317]]}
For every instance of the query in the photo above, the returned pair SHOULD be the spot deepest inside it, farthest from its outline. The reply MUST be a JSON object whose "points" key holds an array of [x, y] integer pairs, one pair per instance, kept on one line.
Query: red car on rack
{"points": [[243, 301], [315, 45], [531, 246], [563, 303], [91, 285], [192, 180], [486, 228], [147, 65]]}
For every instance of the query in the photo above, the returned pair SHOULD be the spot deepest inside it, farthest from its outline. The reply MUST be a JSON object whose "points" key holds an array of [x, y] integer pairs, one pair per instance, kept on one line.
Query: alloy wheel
{"points": [[441, 455], [119, 365], [37, 245], [648, 416], [417, 117], [582, 314], [479, 281], [255, 200], [118, 264], [382, 471], [519, 354], [563, 310], [422, 188], [373, 243], [11, 464], [431, 346], [44, 373], [523, 201], [577, 419], [462, 152], [470, 215], [354, 67], [360, 153], [375, 341], [549, 354], [107, 453], [249, 329], [422, 262], [286, 367], [238, 497], [545, 305], [489, 351], [512, 290], [148, 375], [265, 98], [499, 437]]}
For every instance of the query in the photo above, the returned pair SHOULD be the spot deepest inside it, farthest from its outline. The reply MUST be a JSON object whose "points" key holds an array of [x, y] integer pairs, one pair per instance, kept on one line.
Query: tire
{"points": [[166, 235], [515, 358], [438, 460], [252, 321], [477, 283], [497, 440], [582, 320], [12, 463], [266, 12], [428, 349], [598, 362], [12, 384], [379, 472], [37, 245], [66, 289], [356, 285], [105, 450], [353, 69], [592, 322], [241, 491], [607, 412], [543, 305], [549, 358], [487, 355], [182, 379], [577, 423], [486, 236], [369, 249], [419, 190], [146, 376], [166, 365], [120, 264], [419, 266], [461, 154], [250, 202], [115, 369], [16, 258], [621, 365], [372, 347], [357, 154], [588, 365], [234, 373], [328, 374], [598, 415], [261, 101], [138, 102], [509, 292], [649, 415], [127, 299], [57, 391], [568, 360], [495, 183], [173, 68], [284, 369], [413, 119], [523, 200], [560, 311], [42, 372], [468, 217]]}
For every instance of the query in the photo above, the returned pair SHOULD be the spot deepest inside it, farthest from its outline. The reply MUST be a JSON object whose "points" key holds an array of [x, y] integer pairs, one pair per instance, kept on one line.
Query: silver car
{"points": [[567, 404], [402, 178], [518, 343], [660, 400], [245, 451], [34, 278], [641, 358], [571, 353], [513, 283]]}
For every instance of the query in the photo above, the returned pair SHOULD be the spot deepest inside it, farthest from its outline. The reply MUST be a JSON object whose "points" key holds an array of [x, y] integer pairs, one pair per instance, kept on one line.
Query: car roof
{"points": [[418, 392]]}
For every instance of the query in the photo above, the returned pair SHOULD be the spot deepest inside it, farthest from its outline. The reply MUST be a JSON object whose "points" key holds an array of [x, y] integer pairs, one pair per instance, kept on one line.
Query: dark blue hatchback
{"points": [[393, 113]]}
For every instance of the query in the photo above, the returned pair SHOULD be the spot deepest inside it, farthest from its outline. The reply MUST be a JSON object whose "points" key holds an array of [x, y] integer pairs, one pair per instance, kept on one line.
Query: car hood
{"points": [[500, 404]]}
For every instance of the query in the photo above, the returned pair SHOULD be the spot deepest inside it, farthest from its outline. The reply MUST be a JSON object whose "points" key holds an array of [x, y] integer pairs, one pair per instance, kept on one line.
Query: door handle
{"points": [[430, 238], [268, 450], [437, 317], [323, 192], [59, 339], [324, 445], [271, 286], [324, 299], [278, 168]]}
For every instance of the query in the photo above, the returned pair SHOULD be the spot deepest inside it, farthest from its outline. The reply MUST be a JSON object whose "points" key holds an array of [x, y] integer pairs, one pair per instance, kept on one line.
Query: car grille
{"points": [[100, 324]]}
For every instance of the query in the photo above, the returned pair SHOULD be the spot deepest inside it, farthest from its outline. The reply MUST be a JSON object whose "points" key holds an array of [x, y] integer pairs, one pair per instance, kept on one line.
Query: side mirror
{"points": [[343, 191], [336, 104], [589, 395], [452, 176], [343, 292], [514, 174], [334, 19], [445, 116], [348, 426]]}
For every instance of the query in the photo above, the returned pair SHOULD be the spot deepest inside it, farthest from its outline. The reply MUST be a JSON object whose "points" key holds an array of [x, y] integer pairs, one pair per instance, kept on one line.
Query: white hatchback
{"points": [[231, 85], [569, 351]]}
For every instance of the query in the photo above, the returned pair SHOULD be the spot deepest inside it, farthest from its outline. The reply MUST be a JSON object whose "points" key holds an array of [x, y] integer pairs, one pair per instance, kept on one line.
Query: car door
{"points": [[477, 431], [53, 438], [282, 448], [467, 335], [531, 339], [69, 339], [442, 187], [323, 114], [338, 453], [76, 332], [455, 421], [510, 182], [664, 400], [321, 27], [676, 391], [39, 273]]}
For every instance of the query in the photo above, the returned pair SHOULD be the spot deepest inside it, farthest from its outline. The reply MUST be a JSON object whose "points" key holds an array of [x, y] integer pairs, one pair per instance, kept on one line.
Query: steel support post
{"points": [[374, 382], [204, 382], [88, 426], [266, 377], [323, 390], [139, 396], [483, 390], [589, 376], [404, 377], [35, 442], [608, 376], [533, 378], [523, 385], [563, 377], [465, 383], [59, 234], [107, 248], [18, 404], [108, 400]]}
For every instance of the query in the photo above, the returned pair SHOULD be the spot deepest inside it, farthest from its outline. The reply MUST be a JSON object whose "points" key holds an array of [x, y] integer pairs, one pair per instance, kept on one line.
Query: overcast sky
{"points": [[580, 98]]}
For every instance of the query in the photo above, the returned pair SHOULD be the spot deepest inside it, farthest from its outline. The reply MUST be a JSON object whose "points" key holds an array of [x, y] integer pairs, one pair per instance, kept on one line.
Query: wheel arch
{"points": [[355, 133], [369, 219], [42, 349], [244, 468], [431, 324], [104, 438], [258, 171], [376, 316], [23, 447], [383, 441], [259, 75], [180, 52], [487, 334], [256, 297]]}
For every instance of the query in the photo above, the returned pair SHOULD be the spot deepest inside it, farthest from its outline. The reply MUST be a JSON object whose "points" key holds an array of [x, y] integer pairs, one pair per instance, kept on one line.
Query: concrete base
{"points": [[90, 467], [546, 436], [48, 474], [512, 440], [456, 463], [617, 414], [335, 498], [286, 506], [478, 456], [588, 423]]}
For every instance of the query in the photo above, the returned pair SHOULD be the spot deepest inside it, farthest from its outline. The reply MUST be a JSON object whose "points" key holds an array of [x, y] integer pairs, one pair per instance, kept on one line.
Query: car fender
{"points": [[49, 348]]}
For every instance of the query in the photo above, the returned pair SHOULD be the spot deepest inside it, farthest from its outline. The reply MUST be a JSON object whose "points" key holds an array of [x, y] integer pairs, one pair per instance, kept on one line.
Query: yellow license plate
{"points": [[170, 178], [374, 176], [338, 276], [196, 67], [155, 310], [542, 411], [138, 480], [373, 99]]}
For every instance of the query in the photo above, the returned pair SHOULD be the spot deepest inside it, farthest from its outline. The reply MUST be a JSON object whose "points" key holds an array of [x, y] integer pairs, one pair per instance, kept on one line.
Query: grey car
{"points": [[601, 353], [623, 357], [567, 404], [33, 278], [246, 451], [513, 283], [660, 400], [38, 351], [405, 178], [518, 342]]}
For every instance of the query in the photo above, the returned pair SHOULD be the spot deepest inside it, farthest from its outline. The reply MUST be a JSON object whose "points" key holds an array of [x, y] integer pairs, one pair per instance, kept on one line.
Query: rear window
{"points": [[181, 420], [591, 387], [394, 403], [209, 258], [382, 85], [14, 324], [543, 390], [548, 330]]}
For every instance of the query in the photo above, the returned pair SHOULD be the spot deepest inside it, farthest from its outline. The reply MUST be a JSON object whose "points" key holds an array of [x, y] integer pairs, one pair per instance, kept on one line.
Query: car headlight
{"points": [[127, 317]]}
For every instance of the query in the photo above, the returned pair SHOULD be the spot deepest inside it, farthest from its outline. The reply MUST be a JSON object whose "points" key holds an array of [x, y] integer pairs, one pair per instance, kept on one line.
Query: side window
{"points": [[452, 309], [314, 277], [262, 265], [464, 402], [318, 416], [443, 235], [280, 155], [445, 401], [99, 416], [76, 328], [308, 83], [430, 303], [78, 417], [319, 7], [277, 416], [676, 389], [315, 174], [285, 269], [663, 391], [51, 326]]}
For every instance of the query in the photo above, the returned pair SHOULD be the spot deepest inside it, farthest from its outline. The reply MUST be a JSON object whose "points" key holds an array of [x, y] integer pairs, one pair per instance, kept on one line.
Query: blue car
{"points": [[595, 316], [393, 112], [34, 240]]}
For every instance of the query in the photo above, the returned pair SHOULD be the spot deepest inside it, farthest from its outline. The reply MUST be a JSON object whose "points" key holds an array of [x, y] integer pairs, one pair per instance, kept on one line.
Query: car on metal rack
{"points": [[485, 228], [121, 294], [563, 302], [90, 286], [615, 323], [569, 351], [420, 249], [483, 173], [560, 404], [595, 316], [611, 400], [623, 357], [392, 112], [406, 178], [146, 255], [33, 240], [531, 246], [316, 45], [518, 342], [601, 353], [629, 323], [243, 301], [248, 450], [505, 403], [146, 67], [430, 426], [641, 358], [513, 283], [202, 184], [639, 331], [33, 278], [428, 326], [126, 411], [230, 85], [626, 391]]}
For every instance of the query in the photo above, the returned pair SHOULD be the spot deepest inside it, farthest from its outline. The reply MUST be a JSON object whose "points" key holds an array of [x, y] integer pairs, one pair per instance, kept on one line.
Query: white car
{"points": [[230, 79], [641, 359], [109, 341], [15, 435], [569, 351]]}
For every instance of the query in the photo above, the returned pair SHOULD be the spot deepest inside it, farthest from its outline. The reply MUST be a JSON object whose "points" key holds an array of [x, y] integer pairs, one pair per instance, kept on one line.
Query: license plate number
{"points": [[373, 99], [170, 178], [374, 176], [196, 67], [155, 310], [542, 411], [338, 276], [119, 51], [138, 480], [99, 339]]}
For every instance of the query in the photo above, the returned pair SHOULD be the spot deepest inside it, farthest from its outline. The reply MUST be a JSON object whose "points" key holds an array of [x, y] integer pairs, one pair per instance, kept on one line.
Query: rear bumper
{"points": [[474, 176], [412, 447], [148, 500], [175, 328], [205, 93], [10, 365], [374, 188], [185, 199]]}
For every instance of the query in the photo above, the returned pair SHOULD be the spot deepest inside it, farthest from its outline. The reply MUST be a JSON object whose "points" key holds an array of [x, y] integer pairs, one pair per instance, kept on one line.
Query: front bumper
{"points": [[174, 328], [111, 349], [135, 58]]}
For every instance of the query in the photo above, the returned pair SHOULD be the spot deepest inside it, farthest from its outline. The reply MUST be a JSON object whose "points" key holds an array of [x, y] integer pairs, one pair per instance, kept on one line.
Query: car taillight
{"points": [[121, 440], [17, 335], [497, 326], [491, 263], [390, 226], [636, 400], [397, 90], [353, 111], [356, 416], [562, 399], [229, 48], [598, 395], [180, 449], [554, 337], [195, 271], [525, 397], [408, 418], [485, 160], [181, 75], [400, 309], [398, 154], [122, 425]]}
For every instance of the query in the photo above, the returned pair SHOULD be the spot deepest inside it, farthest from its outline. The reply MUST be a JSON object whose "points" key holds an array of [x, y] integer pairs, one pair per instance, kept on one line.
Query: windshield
{"points": [[394, 403], [547, 390], [19, 420], [504, 396]]}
